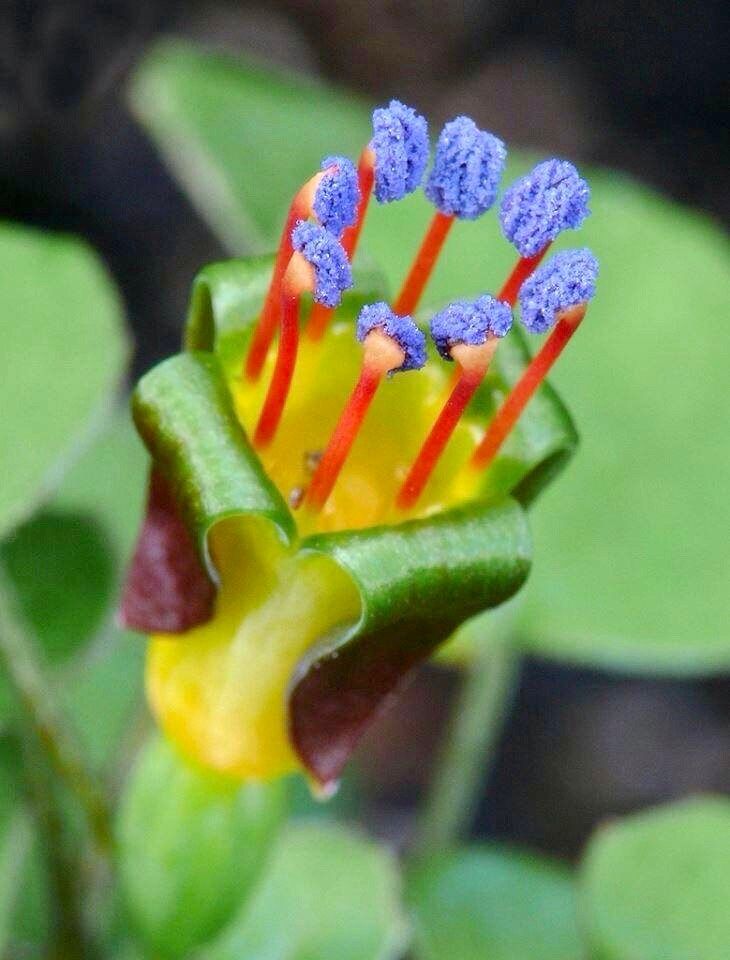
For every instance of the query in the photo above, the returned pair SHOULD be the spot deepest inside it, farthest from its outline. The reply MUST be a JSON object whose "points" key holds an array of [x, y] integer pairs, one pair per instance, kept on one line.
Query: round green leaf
{"points": [[62, 571], [191, 846], [655, 885], [64, 351], [326, 895], [488, 902]]}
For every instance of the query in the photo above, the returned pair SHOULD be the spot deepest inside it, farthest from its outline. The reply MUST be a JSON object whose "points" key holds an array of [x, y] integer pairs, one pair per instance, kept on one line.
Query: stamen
{"points": [[333, 197], [300, 209], [536, 208], [556, 294], [391, 343], [393, 163], [463, 184], [318, 265], [319, 318], [467, 332]]}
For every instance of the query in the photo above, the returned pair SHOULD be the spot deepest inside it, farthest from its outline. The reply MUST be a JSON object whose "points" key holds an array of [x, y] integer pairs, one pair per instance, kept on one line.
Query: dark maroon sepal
{"points": [[332, 706], [167, 588]]}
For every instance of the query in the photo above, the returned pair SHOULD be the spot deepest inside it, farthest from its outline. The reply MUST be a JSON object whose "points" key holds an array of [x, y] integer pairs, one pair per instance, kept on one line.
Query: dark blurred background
{"points": [[641, 86]]}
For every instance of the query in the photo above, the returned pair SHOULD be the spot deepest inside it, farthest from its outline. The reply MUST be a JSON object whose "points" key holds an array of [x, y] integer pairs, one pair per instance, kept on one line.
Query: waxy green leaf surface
{"points": [[186, 877], [327, 894], [655, 885], [488, 902], [631, 544]]}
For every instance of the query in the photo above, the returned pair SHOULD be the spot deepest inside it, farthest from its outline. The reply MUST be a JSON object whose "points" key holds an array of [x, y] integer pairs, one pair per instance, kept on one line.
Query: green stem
{"points": [[66, 904], [469, 749], [22, 663]]}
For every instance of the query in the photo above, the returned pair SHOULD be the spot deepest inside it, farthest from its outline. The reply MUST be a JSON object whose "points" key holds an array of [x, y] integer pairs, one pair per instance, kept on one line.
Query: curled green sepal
{"points": [[417, 581], [226, 299], [184, 413]]}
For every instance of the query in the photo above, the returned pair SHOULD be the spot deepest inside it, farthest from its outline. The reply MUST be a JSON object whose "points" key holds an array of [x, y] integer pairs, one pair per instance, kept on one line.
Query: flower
{"points": [[281, 620]]}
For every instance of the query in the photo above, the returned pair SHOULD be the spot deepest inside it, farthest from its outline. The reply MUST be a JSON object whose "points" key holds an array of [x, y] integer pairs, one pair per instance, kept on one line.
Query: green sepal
{"points": [[226, 301], [430, 574], [417, 581], [184, 413]]}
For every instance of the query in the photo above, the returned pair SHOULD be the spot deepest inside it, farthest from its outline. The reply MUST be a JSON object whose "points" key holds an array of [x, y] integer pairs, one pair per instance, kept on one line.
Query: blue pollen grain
{"points": [[400, 145], [470, 322], [337, 196], [403, 330], [551, 198], [566, 280], [467, 169], [332, 272]]}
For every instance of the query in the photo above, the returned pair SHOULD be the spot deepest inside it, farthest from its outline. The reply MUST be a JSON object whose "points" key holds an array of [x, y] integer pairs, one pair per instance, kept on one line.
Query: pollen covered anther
{"points": [[467, 332], [318, 266], [557, 296], [392, 164], [463, 184], [333, 197], [535, 209], [390, 344]]}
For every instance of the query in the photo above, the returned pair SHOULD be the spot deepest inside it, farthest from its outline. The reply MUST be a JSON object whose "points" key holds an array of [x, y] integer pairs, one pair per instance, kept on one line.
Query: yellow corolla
{"points": [[220, 690]]}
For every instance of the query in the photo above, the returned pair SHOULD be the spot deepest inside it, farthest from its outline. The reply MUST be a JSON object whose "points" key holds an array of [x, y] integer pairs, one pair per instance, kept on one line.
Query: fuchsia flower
{"points": [[290, 582]]}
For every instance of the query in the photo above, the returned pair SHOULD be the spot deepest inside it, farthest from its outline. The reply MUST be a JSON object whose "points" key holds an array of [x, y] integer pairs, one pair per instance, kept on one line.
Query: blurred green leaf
{"points": [[326, 895], [655, 885], [66, 565], [24, 906], [242, 140], [64, 351], [191, 845], [631, 546], [63, 574], [16, 838], [101, 694], [481, 902]]}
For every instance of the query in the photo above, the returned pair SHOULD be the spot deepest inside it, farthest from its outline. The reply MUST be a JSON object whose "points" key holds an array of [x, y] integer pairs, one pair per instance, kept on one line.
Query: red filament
{"points": [[510, 411], [381, 355], [263, 336], [423, 264], [298, 277], [473, 364], [320, 317], [520, 272]]}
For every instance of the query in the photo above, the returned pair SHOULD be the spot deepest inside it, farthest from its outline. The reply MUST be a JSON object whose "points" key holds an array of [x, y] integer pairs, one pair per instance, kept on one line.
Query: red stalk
{"points": [[298, 277], [320, 317], [300, 209], [473, 364], [520, 272], [510, 411], [423, 264], [365, 178], [381, 355]]}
